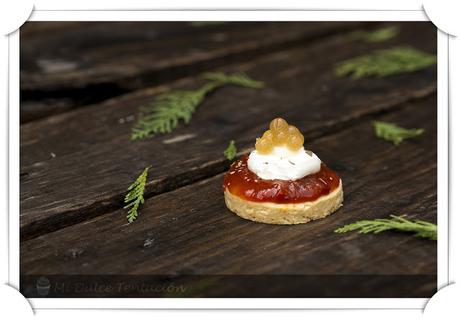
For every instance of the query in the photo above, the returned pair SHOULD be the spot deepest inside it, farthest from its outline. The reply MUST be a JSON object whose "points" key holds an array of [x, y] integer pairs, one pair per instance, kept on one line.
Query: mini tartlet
{"points": [[280, 182]]}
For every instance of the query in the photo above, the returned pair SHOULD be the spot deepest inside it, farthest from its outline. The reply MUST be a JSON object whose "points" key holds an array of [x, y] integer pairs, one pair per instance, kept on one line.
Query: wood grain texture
{"points": [[87, 63], [77, 165], [190, 231]]}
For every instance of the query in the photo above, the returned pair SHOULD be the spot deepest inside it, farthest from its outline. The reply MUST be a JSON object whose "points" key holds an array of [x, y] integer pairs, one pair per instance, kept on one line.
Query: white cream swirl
{"points": [[283, 164]]}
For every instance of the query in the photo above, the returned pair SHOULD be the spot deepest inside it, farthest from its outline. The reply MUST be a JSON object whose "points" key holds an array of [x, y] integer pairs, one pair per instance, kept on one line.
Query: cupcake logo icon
{"points": [[43, 286]]}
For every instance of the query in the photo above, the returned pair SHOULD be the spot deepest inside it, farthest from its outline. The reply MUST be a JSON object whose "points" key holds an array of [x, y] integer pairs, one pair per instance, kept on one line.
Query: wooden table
{"points": [[81, 86]]}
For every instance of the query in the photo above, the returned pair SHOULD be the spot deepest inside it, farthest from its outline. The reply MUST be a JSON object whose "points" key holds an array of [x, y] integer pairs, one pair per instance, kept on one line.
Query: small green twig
{"points": [[238, 79], [164, 114], [391, 132], [379, 35], [383, 63], [230, 152], [135, 196], [421, 228]]}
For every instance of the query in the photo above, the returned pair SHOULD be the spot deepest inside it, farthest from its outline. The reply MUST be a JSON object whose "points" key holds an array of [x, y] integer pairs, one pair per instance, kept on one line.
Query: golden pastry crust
{"points": [[285, 213]]}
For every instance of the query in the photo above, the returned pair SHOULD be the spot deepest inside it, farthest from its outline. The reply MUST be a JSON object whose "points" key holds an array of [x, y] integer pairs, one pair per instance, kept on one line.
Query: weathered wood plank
{"points": [[189, 231], [89, 62], [77, 165]]}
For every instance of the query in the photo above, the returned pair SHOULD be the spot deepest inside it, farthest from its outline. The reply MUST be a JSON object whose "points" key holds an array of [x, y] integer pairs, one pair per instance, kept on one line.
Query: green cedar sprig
{"points": [[383, 63], [396, 134], [237, 79], [164, 114], [374, 36], [135, 196], [421, 228], [230, 152]]}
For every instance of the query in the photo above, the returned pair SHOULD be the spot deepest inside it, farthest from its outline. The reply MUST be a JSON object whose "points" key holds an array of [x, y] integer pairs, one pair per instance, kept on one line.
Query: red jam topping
{"points": [[242, 182]]}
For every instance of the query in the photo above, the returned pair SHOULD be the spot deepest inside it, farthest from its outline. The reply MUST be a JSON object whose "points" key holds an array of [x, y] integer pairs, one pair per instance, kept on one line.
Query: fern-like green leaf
{"points": [[237, 79], [230, 152], [379, 35], [135, 196], [165, 113], [421, 228], [383, 63], [394, 133]]}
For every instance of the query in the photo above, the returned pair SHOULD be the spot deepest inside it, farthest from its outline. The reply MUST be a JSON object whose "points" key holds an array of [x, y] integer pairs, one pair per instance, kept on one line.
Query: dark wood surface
{"points": [[367, 179], [102, 64], [76, 165]]}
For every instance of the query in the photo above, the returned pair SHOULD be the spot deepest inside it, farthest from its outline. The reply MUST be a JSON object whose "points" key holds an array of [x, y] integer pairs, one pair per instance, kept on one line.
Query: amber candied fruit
{"points": [[295, 142], [280, 134], [268, 135], [293, 130], [280, 137], [264, 146], [278, 124]]}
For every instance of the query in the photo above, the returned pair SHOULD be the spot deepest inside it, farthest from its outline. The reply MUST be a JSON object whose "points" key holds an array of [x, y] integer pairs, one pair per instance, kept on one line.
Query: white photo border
{"points": [[233, 303]]}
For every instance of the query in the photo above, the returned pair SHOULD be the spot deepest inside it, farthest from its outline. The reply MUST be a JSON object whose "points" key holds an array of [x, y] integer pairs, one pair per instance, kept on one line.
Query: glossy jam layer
{"points": [[242, 182]]}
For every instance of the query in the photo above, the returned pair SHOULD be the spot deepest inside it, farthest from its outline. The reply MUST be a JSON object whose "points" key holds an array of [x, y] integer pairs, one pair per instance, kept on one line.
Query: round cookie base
{"points": [[286, 213]]}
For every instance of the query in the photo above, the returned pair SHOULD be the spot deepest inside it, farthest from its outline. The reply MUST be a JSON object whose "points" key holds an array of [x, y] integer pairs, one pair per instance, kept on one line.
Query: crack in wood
{"points": [[71, 96], [209, 170], [194, 233]]}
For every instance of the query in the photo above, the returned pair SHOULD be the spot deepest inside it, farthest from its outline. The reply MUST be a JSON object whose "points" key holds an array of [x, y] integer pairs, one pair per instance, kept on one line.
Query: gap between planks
{"points": [[208, 171], [382, 180], [99, 92], [45, 188]]}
